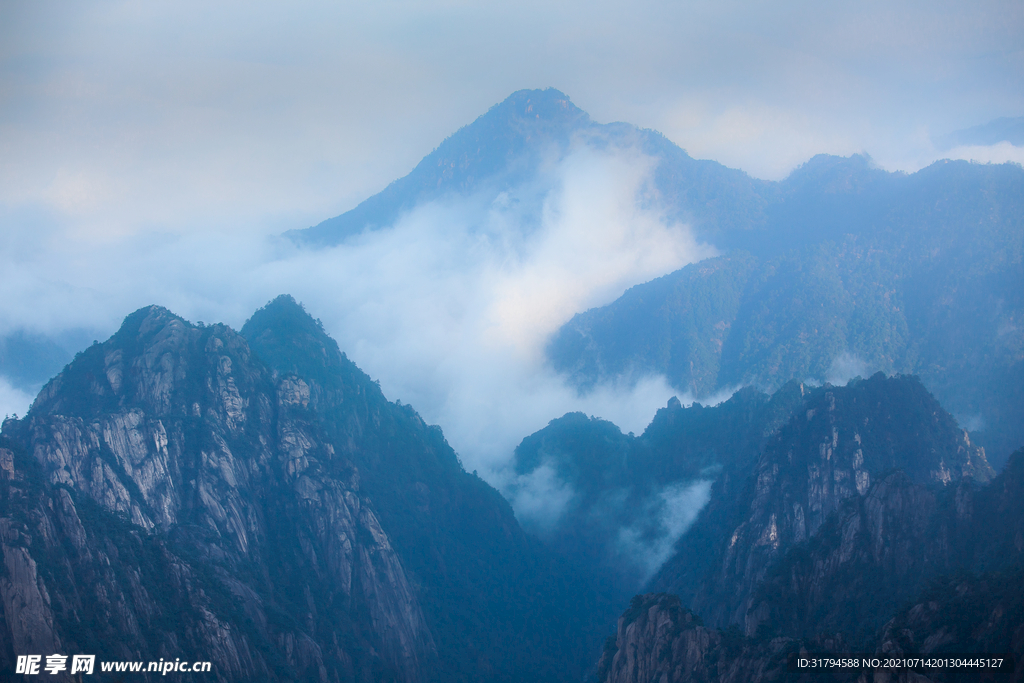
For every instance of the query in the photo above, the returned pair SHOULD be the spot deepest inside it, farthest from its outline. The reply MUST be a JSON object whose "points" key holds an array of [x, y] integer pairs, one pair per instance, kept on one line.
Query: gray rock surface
{"points": [[167, 497], [840, 448]]}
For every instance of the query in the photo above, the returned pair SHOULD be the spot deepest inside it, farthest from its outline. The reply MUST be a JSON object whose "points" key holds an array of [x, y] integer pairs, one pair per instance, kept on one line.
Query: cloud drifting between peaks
{"points": [[450, 307]]}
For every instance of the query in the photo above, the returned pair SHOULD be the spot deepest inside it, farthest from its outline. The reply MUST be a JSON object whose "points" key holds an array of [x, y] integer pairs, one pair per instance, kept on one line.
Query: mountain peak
{"points": [[147, 320], [289, 340], [498, 148], [547, 105], [284, 311], [151, 361], [835, 174]]}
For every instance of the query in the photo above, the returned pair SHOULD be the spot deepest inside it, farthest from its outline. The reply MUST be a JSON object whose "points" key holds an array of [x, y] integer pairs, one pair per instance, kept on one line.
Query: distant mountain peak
{"points": [[500, 147], [829, 174], [503, 150], [547, 105]]}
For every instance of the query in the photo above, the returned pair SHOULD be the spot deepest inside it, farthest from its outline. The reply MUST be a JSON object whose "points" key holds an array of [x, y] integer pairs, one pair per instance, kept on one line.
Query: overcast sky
{"points": [[119, 117], [149, 151]]}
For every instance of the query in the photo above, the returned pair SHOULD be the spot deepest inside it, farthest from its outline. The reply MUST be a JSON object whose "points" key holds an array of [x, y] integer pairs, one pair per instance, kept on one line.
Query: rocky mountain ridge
{"points": [[209, 474], [973, 602], [171, 494], [920, 554], [844, 444], [772, 471], [481, 577]]}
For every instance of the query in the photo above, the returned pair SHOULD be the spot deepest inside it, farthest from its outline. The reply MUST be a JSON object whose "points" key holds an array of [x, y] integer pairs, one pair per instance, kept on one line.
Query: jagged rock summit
{"points": [[776, 473], [870, 523], [181, 491], [977, 609], [880, 444], [481, 576], [169, 497]]}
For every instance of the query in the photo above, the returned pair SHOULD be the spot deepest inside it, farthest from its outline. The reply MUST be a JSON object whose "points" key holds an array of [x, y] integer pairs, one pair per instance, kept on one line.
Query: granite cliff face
{"points": [[166, 496], [880, 454], [658, 639], [842, 445], [181, 492], [894, 539], [979, 607], [480, 577]]}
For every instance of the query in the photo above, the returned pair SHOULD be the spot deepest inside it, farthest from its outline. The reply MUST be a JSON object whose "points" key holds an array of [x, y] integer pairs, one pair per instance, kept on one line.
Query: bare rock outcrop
{"points": [[167, 496], [659, 640], [846, 440]]}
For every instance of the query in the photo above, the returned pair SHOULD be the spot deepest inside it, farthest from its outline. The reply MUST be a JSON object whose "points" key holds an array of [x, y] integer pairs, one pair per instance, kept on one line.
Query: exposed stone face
{"points": [[658, 640], [26, 604], [962, 613], [876, 551], [489, 592], [171, 485], [910, 568], [834, 452]]}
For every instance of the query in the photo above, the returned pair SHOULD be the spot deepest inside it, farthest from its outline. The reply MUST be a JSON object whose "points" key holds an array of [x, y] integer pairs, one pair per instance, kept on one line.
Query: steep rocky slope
{"points": [[978, 607], [172, 495], [773, 470], [916, 564], [168, 498], [481, 578], [843, 444], [658, 639]]}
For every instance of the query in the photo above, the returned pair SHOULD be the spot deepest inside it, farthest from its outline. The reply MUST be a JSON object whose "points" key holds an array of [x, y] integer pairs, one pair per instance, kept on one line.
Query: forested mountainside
{"points": [[861, 271], [171, 495]]}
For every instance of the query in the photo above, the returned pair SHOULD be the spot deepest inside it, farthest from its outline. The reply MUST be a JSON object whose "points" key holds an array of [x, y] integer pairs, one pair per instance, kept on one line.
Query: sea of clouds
{"points": [[450, 307]]}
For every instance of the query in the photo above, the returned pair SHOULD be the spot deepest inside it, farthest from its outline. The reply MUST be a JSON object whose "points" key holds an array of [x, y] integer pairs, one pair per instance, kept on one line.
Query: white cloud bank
{"points": [[999, 153], [450, 307]]}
